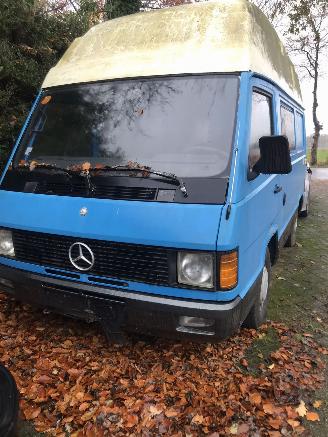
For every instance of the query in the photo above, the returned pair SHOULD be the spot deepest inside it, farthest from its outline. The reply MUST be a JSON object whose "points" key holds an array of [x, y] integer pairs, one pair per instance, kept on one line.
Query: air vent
{"points": [[100, 191]]}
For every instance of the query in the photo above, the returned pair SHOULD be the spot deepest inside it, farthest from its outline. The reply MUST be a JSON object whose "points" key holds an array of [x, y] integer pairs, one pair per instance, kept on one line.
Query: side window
{"points": [[299, 131], [261, 124], [287, 125]]}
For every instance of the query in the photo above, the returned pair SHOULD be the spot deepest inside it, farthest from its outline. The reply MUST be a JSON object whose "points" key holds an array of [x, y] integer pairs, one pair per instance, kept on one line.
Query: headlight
{"points": [[195, 269], [6, 243]]}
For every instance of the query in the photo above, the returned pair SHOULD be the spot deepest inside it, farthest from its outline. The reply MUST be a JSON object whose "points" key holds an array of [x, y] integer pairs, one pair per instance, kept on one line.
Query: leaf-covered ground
{"points": [[266, 383]]}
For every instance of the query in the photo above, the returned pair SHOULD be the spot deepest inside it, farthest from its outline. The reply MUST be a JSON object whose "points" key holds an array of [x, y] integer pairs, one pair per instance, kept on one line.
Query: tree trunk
{"points": [[317, 125]]}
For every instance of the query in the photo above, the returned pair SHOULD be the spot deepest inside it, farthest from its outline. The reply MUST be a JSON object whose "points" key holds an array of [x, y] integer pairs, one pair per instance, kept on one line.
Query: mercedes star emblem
{"points": [[83, 211], [81, 256]]}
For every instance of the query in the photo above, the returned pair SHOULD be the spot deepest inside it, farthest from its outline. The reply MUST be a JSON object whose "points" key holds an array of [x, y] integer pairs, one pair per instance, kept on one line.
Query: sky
{"points": [[307, 87]]}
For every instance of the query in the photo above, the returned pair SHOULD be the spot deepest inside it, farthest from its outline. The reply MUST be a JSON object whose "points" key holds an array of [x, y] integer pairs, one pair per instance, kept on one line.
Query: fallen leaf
{"points": [[31, 414], [317, 404], [87, 416], [268, 408], [243, 428], [86, 166], [84, 406], [154, 411], [44, 379], [131, 421], [198, 419], [33, 165], [301, 409], [312, 416], [234, 429], [293, 423], [291, 413], [255, 398], [275, 423], [171, 413]]}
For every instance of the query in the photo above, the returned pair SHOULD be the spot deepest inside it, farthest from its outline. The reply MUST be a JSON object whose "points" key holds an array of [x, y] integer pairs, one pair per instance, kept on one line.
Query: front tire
{"points": [[258, 312]]}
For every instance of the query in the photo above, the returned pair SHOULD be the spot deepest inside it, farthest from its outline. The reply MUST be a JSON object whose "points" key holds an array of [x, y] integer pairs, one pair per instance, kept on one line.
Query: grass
{"points": [[322, 157], [299, 288], [260, 350]]}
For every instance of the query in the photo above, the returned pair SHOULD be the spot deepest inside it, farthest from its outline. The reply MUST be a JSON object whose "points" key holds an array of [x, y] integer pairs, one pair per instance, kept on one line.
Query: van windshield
{"points": [[182, 125]]}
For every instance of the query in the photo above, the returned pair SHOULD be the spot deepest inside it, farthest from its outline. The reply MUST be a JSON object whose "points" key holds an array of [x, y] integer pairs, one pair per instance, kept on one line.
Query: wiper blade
{"points": [[146, 171], [34, 166]]}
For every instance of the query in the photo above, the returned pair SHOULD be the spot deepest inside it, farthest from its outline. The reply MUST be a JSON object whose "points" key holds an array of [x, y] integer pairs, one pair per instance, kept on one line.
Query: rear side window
{"points": [[299, 131], [287, 125], [261, 124]]}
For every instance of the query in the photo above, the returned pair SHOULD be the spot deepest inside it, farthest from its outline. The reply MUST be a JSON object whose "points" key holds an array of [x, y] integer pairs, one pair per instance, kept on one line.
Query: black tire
{"points": [[8, 404], [291, 240], [258, 312], [304, 213]]}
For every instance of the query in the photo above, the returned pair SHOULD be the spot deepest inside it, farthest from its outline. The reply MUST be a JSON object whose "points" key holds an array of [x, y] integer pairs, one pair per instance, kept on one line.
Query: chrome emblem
{"points": [[83, 211], [81, 256]]}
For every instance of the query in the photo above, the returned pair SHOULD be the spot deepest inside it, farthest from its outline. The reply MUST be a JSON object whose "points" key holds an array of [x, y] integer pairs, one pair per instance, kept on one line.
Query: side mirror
{"points": [[275, 156]]}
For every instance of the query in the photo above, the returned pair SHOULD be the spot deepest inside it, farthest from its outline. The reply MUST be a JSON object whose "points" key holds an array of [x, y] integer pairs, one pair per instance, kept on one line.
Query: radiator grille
{"points": [[132, 262], [101, 191]]}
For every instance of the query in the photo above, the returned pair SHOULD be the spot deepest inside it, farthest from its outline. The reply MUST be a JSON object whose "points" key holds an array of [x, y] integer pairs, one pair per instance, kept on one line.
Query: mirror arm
{"points": [[251, 174]]}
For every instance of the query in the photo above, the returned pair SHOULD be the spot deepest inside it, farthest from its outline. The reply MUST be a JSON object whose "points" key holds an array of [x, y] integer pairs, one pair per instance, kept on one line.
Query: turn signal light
{"points": [[228, 270]]}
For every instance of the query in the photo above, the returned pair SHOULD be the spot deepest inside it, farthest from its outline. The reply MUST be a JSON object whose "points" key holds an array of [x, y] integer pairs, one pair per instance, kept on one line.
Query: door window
{"points": [[288, 125], [299, 131], [261, 124]]}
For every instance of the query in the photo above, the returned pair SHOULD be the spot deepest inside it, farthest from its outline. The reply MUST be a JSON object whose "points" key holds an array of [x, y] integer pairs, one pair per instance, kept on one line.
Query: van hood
{"points": [[189, 226]]}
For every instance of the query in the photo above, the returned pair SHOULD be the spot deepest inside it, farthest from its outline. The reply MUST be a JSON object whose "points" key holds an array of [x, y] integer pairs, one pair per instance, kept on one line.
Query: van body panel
{"points": [[252, 214], [149, 223], [139, 287]]}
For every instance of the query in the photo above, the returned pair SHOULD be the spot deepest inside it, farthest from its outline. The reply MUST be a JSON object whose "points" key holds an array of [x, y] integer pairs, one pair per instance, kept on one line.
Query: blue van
{"points": [[159, 173]]}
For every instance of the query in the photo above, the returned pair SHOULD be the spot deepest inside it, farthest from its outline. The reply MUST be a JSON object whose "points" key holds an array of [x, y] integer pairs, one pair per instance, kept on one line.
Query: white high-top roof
{"points": [[219, 36]]}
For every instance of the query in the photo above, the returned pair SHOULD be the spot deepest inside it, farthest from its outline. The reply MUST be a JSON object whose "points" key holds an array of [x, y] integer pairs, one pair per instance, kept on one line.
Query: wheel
{"points": [[291, 240], [8, 403], [258, 312]]}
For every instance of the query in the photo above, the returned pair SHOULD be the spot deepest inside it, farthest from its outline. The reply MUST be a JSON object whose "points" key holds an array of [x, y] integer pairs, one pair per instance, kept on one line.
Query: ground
{"points": [[266, 383]]}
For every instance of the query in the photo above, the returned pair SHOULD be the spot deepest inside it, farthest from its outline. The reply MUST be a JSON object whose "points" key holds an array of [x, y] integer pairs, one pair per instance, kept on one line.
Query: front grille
{"points": [[131, 262], [101, 191]]}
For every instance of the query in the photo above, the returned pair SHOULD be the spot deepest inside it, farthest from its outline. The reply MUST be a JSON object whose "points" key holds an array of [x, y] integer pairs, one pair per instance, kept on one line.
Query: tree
{"points": [[34, 34], [30, 43], [158, 4], [117, 8], [308, 41]]}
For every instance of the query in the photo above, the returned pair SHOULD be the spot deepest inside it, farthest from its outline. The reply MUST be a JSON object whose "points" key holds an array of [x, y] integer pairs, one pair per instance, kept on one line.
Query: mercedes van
{"points": [[159, 173]]}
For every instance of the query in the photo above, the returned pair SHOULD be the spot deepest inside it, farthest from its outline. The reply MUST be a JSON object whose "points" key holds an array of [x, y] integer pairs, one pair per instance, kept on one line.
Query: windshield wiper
{"points": [[146, 171], [45, 166], [67, 171]]}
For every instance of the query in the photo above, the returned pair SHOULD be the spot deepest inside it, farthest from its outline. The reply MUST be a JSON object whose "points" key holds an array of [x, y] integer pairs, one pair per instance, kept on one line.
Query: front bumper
{"points": [[122, 312]]}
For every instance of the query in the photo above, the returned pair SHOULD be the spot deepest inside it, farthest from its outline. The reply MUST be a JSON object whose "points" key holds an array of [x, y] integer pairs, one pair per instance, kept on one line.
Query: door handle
{"points": [[277, 189]]}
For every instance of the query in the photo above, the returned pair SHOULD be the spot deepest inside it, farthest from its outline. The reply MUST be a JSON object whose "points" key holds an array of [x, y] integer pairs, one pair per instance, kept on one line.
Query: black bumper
{"points": [[125, 311]]}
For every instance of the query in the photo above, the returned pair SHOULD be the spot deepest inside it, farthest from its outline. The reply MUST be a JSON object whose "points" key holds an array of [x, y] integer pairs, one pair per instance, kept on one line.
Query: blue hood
{"points": [[190, 226]]}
